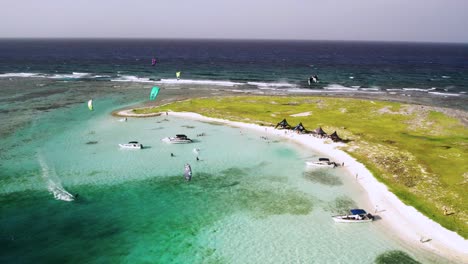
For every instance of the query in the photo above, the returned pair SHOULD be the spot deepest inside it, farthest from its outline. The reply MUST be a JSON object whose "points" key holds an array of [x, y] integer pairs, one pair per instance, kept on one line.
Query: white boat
{"points": [[132, 145], [322, 162], [354, 216], [178, 139]]}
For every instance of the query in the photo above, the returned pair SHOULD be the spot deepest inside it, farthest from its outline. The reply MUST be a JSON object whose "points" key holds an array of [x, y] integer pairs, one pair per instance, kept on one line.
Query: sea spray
{"points": [[53, 182]]}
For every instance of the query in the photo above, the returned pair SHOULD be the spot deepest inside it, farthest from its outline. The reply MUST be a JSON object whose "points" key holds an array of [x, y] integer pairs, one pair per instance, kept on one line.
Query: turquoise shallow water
{"points": [[250, 200]]}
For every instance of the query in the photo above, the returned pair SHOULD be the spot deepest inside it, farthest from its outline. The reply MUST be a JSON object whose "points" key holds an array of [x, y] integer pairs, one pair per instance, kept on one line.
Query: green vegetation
{"points": [[418, 152]]}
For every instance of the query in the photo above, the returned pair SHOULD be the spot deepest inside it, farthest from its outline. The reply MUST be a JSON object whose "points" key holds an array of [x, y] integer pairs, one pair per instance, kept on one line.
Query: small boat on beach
{"points": [[323, 163], [178, 139], [132, 145], [354, 216]]}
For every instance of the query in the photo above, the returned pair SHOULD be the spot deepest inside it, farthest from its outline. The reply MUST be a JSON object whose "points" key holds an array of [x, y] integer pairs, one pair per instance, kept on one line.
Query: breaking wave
{"points": [[271, 85], [20, 75], [339, 87], [199, 82]]}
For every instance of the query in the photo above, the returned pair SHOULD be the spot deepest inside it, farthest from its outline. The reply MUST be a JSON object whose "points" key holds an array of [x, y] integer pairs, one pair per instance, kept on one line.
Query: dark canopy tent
{"points": [[319, 131], [300, 128], [283, 124], [335, 137]]}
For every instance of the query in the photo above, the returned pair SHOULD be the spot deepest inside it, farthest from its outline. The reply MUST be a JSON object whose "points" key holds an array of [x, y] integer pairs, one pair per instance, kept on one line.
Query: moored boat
{"points": [[354, 216], [178, 139], [132, 145], [322, 162]]}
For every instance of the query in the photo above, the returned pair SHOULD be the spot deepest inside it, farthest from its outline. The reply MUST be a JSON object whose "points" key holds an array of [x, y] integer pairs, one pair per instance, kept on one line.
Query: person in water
{"points": [[172, 155], [313, 79]]}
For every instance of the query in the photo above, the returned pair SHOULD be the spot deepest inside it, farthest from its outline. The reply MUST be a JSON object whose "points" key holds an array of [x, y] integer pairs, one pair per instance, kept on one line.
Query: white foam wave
{"points": [[270, 85], [20, 74], [418, 89], [74, 75], [370, 89], [131, 78], [394, 89], [339, 87], [199, 82], [53, 183], [298, 90], [445, 77], [444, 94]]}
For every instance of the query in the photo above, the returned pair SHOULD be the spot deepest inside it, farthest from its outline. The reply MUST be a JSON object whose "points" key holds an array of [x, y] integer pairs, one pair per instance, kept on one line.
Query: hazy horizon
{"points": [[433, 21], [230, 39]]}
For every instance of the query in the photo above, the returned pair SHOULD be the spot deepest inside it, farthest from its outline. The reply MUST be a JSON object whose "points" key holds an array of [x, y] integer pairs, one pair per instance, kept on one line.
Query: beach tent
{"points": [[335, 137], [319, 131], [300, 128], [283, 124]]}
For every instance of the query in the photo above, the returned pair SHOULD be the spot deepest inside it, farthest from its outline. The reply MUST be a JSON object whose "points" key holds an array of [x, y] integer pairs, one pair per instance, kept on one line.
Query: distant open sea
{"points": [[440, 69], [250, 200]]}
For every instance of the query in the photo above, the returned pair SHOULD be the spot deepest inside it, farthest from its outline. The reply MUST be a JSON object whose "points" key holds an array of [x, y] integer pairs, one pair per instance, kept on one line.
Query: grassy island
{"points": [[419, 152]]}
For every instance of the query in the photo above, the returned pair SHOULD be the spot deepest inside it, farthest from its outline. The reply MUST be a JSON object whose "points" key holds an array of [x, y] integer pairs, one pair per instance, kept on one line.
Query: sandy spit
{"points": [[403, 220]]}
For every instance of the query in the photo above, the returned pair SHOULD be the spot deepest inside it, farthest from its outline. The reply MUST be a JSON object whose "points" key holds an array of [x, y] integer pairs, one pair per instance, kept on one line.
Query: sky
{"points": [[378, 20]]}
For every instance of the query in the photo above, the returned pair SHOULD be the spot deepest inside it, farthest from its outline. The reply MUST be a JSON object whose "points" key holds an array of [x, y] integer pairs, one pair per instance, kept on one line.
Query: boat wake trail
{"points": [[53, 183]]}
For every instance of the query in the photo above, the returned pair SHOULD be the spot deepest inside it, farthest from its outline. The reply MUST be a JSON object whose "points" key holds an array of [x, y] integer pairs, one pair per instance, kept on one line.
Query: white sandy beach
{"points": [[396, 217]]}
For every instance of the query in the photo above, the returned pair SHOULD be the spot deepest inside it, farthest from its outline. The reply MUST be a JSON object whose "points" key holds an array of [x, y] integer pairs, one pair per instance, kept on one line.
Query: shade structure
{"points": [[319, 131], [283, 125], [334, 136], [300, 128]]}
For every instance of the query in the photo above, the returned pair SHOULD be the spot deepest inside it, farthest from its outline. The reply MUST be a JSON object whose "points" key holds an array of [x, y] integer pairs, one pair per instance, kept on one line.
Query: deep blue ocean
{"points": [[354, 66]]}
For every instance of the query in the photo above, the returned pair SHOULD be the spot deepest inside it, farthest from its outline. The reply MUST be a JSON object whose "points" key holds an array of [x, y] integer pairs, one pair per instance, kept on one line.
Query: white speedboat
{"points": [[322, 162], [354, 216], [132, 145], [178, 139]]}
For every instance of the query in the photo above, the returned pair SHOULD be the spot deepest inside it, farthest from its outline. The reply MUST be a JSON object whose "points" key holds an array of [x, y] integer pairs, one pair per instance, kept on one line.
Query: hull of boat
{"points": [[180, 142], [130, 147], [319, 165], [339, 219], [175, 141]]}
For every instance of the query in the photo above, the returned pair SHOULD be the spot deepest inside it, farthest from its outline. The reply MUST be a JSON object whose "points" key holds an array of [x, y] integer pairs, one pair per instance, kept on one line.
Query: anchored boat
{"points": [[322, 162], [178, 139], [132, 145], [354, 216]]}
